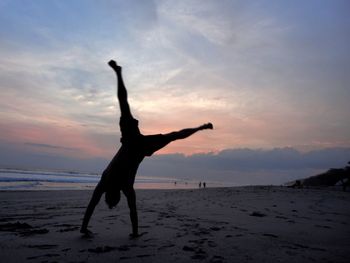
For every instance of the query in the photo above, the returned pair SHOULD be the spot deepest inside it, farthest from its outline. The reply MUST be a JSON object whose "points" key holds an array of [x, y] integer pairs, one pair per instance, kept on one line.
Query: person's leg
{"points": [[96, 196], [182, 134], [112, 196], [131, 197], [121, 92], [153, 143]]}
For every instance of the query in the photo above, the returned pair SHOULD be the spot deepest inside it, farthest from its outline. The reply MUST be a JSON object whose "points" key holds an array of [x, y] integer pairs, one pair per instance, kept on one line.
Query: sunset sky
{"points": [[267, 74]]}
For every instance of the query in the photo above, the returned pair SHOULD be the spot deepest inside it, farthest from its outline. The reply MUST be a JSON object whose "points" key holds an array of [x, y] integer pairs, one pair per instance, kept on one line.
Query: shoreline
{"points": [[335, 188], [243, 224], [23, 179]]}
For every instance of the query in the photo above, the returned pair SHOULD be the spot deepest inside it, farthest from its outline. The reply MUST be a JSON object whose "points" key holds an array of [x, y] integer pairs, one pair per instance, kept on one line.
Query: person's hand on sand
{"points": [[86, 232], [137, 235], [114, 66]]}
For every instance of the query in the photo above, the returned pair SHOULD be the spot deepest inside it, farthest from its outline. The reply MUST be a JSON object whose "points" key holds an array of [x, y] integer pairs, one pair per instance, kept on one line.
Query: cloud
{"points": [[231, 166], [267, 74], [46, 157], [50, 146], [247, 166]]}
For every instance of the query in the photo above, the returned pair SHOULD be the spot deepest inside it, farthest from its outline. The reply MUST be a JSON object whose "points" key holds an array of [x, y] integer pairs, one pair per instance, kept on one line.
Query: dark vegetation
{"points": [[334, 176]]}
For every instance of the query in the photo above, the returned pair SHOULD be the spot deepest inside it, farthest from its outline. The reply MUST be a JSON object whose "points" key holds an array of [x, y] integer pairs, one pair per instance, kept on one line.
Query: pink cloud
{"points": [[69, 141]]}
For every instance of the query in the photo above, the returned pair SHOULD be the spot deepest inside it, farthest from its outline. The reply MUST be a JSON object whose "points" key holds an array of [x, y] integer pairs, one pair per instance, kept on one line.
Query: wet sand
{"points": [[243, 224]]}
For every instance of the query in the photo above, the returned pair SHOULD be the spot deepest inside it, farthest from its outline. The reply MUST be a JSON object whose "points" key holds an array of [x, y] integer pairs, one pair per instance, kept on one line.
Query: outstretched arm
{"points": [[91, 207], [182, 134], [121, 92], [131, 197]]}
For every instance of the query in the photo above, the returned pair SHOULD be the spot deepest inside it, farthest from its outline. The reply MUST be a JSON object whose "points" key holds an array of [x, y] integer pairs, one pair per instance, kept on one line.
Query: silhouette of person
{"points": [[121, 171], [204, 185], [200, 184]]}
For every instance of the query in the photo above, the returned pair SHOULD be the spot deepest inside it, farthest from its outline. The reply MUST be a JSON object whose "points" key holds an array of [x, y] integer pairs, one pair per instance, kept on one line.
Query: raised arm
{"points": [[121, 92]]}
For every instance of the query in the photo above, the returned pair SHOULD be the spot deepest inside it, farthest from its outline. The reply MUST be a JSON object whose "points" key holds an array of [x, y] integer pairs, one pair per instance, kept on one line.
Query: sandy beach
{"points": [[243, 224]]}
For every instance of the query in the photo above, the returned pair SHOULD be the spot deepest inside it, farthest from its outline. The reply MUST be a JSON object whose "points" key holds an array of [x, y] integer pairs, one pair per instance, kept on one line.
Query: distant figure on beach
{"points": [[121, 171], [297, 184], [200, 184], [204, 185]]}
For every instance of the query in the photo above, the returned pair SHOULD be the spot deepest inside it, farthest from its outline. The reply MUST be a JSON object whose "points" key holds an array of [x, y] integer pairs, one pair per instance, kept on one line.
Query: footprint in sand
{"points": [[281, 217], [216, 259], [44, 246], [166, 246], [22, 229], [212, 243], [103, 249], [68, 229], [270, 235], [199, 253], [143, 256], [41, 256], [323, 226], [15, 227]]}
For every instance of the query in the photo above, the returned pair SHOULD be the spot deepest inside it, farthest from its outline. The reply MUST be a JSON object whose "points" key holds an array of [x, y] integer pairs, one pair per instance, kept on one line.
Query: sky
{"points": [[272, 76]]}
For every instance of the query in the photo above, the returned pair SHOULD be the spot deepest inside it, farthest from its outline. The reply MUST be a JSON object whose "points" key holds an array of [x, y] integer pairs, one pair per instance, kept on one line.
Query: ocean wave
{"points": [[14, 179]]}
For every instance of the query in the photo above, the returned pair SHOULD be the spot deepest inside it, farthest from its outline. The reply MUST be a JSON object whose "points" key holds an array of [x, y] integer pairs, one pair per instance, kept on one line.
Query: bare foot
{"points": [[114, 66], [86, 232], [208, 125], [137, 235]]}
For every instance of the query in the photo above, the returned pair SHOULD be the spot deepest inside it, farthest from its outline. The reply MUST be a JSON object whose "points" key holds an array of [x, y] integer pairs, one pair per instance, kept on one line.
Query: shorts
{"points": [[153, 143]]}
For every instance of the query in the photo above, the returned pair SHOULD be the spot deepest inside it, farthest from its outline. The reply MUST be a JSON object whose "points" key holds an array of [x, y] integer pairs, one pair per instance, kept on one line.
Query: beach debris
{"points": [[13, 227], [258, 214], [43, 246], [23, 229], [270, 235], [214, 228], [187, 248], [103, 249]]}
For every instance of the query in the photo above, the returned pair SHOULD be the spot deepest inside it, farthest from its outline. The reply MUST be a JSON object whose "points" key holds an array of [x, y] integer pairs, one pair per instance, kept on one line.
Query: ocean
{"points": [[26, 179]]}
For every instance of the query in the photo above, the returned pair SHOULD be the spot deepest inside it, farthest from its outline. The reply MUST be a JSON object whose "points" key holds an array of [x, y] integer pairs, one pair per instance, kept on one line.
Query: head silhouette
{"points": [[112, 198]]}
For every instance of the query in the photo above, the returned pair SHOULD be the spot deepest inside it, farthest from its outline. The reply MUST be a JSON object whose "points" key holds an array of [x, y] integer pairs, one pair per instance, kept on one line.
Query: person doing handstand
{"points": [[121, 171]]}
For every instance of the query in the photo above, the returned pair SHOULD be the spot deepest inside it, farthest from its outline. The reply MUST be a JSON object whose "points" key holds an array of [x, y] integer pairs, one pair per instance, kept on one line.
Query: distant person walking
{"points": [[200, 184], [204, 185], [121, 171]]}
